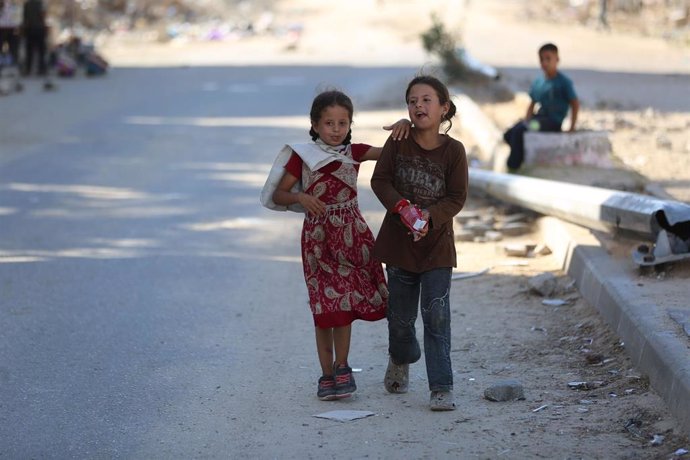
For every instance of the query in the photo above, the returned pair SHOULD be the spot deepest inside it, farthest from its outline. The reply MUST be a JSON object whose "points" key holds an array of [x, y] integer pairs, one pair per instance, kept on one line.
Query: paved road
{"points": [[139, 277], [150, 308]]}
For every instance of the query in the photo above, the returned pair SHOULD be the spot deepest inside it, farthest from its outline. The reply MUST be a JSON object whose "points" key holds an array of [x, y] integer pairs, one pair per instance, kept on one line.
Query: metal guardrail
{"points": [[668, 222]]}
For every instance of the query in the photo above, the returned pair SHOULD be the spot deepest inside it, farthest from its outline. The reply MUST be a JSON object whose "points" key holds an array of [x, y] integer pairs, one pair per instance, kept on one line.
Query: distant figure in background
{"points": [[603, 20], [10, 22], [555, 93], [35, 35]]}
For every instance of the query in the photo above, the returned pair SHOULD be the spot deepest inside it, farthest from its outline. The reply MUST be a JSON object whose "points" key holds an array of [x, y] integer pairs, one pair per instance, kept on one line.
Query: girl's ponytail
{"points": [[452, 110]]}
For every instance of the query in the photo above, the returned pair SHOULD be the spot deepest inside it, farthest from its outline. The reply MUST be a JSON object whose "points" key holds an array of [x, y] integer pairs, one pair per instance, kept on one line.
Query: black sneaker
{"points": [[344, 382], [326, 390]]}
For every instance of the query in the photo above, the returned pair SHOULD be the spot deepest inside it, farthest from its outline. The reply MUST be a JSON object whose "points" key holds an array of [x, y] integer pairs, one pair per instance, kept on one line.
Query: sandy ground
{"points": [[500, 329], [636, 88]]}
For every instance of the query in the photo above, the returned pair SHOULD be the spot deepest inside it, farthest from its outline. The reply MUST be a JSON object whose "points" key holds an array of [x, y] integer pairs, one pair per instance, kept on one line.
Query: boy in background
{"points": [[555, 94]]}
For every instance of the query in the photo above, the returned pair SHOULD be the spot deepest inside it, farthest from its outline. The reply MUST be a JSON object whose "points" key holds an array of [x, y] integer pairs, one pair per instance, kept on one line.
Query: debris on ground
{"points": [[505, 390]]}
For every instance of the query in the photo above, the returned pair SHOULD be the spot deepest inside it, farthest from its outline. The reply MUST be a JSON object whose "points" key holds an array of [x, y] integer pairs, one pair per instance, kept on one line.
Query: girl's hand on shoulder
{"points": [[311, 204], [400, 129]]}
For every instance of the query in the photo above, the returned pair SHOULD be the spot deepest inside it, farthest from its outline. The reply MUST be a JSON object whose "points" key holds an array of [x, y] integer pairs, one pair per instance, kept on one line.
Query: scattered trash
{"points": [[554, 302], [633, 426], [514, 263], [493, 236], [345, 415], [538, 329], [680, 452], [540, 408], [586, 401], [657, 440], [463, 276], [585, 385]]}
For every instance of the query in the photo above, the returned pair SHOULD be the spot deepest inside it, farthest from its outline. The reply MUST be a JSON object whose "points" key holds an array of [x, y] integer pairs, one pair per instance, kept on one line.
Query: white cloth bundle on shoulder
{"points": [[315, 155]]}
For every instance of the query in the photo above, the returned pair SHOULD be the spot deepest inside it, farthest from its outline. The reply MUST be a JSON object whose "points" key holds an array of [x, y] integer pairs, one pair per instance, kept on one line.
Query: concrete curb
{"points": [[655, 348]]}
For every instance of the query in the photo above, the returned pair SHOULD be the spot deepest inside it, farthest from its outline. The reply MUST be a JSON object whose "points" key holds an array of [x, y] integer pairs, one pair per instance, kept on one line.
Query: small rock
{"points": [[464, 235], [594, 359], [505, 390], [466, 216], [478, 228], [519, 250], [493, 235], [663, 142], [518, 217], [515, 229], [544, 284]]}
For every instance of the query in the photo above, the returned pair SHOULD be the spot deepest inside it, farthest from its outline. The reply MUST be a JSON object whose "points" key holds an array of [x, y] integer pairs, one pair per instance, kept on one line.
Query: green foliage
{"points": [[437, 40]]}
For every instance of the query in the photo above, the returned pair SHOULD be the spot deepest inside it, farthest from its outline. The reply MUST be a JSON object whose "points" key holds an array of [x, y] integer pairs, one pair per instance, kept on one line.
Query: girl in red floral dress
{"points": [[344, 281]]}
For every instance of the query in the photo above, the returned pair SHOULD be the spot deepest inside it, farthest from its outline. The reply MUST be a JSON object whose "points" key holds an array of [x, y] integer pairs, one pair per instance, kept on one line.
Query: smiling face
{"points": [[424, 107], [333, 125]]}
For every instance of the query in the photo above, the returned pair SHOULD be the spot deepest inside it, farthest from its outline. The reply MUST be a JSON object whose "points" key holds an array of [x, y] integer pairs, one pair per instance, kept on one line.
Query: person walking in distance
{"points": [[422, 181], [35, 33], [10, 23]]}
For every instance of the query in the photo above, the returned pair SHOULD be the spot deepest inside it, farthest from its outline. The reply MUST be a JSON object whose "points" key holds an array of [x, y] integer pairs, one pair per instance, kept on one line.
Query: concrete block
{"points": [[580, 148]]}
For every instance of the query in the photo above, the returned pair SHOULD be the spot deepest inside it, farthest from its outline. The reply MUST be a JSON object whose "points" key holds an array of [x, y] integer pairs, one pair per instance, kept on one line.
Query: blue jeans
{"points": [[404, 296], [515, 138]]}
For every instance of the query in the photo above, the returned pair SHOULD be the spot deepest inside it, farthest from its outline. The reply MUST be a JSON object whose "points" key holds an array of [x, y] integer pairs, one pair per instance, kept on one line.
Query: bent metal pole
{"points": [[593, 207]]}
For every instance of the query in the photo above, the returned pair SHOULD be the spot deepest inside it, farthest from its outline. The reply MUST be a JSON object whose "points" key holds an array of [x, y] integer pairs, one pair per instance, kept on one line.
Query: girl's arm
{"points": [[399, 130], [283, 196], [374, 153]]}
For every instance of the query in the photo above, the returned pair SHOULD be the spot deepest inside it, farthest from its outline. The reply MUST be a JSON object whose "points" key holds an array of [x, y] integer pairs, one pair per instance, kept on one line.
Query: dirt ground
{"points": [[500, 328]]}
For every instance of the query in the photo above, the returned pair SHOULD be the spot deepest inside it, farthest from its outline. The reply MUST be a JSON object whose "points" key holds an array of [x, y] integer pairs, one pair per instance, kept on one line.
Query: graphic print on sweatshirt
{"points": [[419, 180]]}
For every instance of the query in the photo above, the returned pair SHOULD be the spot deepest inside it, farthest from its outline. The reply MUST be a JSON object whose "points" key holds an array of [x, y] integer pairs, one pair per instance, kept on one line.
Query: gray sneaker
{"points": [[442, 400], [397, 377]]}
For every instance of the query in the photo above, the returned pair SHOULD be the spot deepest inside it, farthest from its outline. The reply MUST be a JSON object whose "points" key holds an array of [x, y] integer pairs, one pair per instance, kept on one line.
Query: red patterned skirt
{"points": [[344, 281]]}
